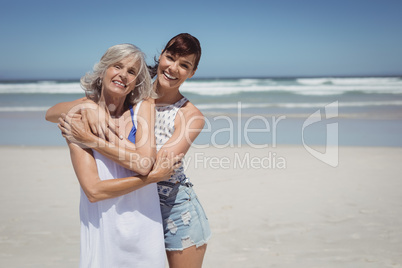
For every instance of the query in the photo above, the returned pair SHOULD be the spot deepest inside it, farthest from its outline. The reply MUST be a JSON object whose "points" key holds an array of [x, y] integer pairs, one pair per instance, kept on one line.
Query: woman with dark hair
{"points": [[177, 124]]}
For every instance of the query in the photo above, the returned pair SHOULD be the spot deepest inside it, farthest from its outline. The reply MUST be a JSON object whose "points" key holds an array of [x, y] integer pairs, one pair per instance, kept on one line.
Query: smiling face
{"points": [[120, 78], [173, 70]]}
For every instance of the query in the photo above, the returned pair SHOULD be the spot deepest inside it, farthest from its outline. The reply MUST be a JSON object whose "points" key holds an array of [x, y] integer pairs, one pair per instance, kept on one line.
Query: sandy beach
{"points": [[271, 207]]}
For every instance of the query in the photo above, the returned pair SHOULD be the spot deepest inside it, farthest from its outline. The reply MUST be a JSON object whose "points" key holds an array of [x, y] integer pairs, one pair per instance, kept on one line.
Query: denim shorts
{"points": [[184, 221]]}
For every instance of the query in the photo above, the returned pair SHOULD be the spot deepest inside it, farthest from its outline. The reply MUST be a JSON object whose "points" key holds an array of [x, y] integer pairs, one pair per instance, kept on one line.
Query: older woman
{"points": [[121, 223]]}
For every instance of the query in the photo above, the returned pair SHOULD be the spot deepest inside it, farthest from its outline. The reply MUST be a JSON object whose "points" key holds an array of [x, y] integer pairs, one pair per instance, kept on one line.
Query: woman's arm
{"points": [[188, 124], [138, 157], [98, 118], [54, 112], [95, 189]]}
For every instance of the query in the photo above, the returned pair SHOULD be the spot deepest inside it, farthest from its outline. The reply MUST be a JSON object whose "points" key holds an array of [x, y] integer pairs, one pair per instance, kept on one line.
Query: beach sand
{"points": [[272, 207]]}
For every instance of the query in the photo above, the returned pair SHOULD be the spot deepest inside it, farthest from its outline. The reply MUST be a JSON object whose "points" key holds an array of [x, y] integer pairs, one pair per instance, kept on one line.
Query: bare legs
{"points": [[191, 257]]}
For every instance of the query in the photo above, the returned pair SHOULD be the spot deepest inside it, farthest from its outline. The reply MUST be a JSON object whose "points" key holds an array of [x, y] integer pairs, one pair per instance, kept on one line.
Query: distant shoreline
{"points": [[366, 110], [30, 80]]}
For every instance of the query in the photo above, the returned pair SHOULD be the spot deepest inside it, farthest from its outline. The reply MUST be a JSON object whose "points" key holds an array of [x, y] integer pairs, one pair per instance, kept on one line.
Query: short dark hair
{"points": [[183, 44]]}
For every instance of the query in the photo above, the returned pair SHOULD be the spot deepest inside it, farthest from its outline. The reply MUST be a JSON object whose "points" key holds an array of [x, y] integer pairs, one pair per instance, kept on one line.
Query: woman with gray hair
{"points": [[121, 223]]}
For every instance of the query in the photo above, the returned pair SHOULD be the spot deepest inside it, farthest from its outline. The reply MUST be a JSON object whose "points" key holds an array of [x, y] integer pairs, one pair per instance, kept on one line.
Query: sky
{"points": [[284, 38]]}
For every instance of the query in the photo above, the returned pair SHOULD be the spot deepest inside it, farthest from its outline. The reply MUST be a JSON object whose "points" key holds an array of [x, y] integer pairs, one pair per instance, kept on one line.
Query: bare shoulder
{"points": [[189, 109], [193, 117], [146, 105]]}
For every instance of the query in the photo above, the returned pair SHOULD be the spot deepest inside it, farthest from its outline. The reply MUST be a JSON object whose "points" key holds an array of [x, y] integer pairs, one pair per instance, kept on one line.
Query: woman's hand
{"points": [[164, 167], [76, 129], [100, 122]]}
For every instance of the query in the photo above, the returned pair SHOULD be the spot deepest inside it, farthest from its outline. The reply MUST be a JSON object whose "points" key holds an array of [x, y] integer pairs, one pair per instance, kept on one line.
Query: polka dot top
{"points": [[164, 128]]}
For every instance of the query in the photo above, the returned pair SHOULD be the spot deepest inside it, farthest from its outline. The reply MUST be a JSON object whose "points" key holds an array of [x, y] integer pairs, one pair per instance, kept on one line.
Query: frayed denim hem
{"points": [[199, 244]]}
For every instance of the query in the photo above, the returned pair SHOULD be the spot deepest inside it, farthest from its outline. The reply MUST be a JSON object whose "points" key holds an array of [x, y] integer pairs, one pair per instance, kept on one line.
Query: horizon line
{"points": [[221, 77]]}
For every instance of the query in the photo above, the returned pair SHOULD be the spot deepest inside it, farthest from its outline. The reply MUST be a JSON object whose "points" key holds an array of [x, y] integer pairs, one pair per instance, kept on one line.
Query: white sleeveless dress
{"points": [[125, 231]]}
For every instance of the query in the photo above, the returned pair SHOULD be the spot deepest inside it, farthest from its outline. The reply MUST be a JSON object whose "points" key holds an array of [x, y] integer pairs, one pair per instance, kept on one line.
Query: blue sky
{"points": [[63, 39]]}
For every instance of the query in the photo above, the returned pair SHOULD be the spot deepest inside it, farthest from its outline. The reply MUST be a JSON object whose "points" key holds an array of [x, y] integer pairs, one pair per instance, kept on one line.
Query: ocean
{"points": [[348, 111]]}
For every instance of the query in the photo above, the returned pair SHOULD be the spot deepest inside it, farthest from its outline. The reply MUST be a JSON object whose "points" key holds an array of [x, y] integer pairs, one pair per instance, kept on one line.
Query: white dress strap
{"points": [[137, 108]]}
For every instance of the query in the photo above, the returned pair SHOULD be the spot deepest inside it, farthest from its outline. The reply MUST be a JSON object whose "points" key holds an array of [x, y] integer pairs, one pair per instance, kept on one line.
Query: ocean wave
{"points": [[221, 87], [238, 105], [313, 81], [295, 89], [364, 81], [50, 87], [23, 109], [300, 86], [241, 105]]}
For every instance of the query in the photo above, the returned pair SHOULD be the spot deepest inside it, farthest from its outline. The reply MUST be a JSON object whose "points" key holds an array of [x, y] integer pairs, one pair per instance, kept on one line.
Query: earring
{"points": [[99, 82]]}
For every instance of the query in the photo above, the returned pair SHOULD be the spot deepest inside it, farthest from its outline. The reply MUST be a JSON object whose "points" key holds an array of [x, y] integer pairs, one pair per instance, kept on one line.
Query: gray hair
{"points": [[92, 82]]}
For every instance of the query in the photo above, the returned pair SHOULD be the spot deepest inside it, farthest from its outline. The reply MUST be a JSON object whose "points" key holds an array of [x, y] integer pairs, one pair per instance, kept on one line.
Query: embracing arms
{"points": [[89, 124], [95, 189], [189, 122], [138, 157]]}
